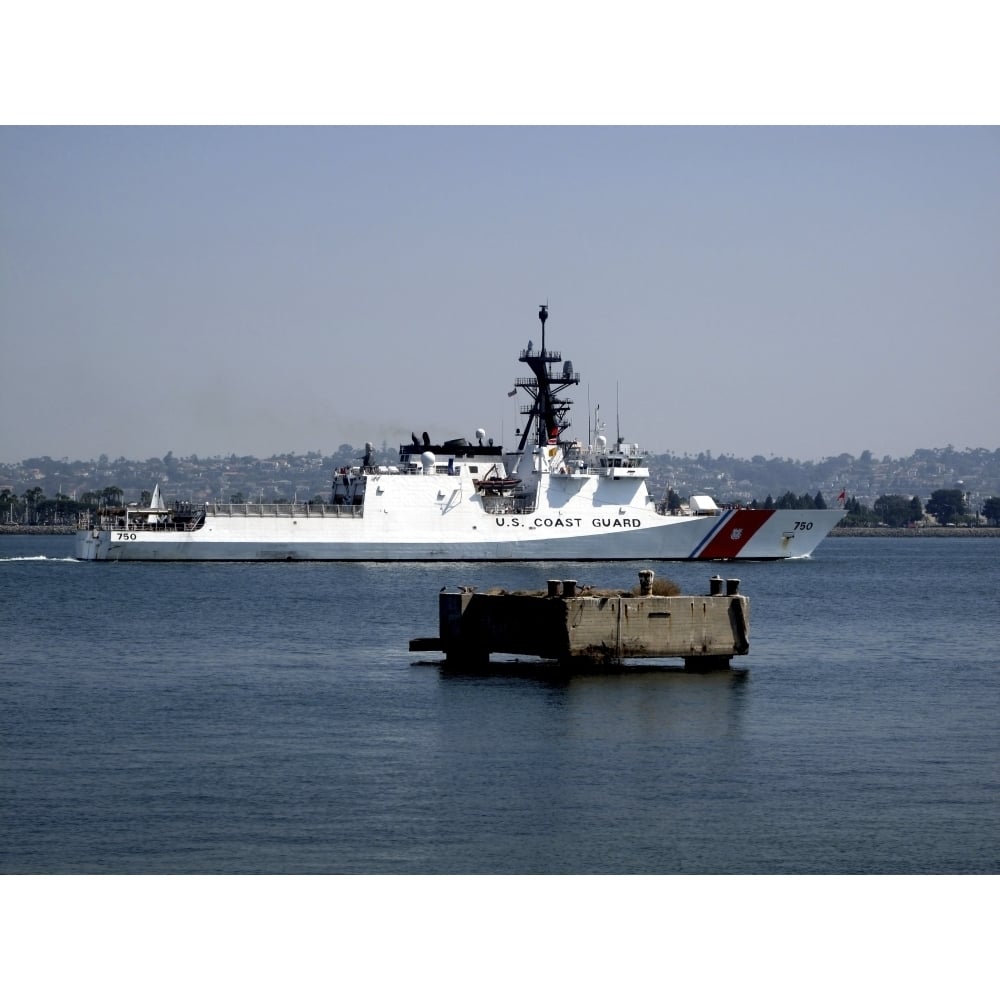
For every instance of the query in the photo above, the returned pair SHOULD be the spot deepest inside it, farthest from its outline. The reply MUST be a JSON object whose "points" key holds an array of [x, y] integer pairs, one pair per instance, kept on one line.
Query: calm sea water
{"points": [[248, 718]]}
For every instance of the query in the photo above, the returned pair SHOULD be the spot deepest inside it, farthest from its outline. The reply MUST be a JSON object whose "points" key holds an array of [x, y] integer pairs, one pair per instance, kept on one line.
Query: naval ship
{"points": [[553, 497]]}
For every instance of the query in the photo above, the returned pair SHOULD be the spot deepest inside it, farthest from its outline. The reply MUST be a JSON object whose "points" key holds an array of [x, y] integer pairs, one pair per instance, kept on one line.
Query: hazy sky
{"points": [[799, 292]]}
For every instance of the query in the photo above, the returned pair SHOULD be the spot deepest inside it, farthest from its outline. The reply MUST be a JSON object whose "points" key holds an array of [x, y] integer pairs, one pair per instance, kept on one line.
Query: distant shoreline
{"points": [[41, 529], [37, 529], [915, 533]]}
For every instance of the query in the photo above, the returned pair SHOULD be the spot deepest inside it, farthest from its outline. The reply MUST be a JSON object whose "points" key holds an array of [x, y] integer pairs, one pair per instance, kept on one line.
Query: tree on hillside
{"points": [[789, 501], [991, 510], [112, 495], [896, 511], [946, 506], [857, 515]]}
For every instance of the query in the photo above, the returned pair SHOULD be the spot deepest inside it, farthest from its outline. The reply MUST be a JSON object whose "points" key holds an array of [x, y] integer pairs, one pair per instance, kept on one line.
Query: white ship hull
{"points": [[428, 518], [550, 499]]}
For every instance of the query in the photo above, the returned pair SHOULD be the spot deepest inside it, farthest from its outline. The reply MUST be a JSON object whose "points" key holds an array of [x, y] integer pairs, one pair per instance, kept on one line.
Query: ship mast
{"points": [[547, 411]]}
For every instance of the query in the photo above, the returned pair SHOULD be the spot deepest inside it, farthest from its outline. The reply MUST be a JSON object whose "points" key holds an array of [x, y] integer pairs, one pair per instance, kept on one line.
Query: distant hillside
{"points": [[976, 472]]}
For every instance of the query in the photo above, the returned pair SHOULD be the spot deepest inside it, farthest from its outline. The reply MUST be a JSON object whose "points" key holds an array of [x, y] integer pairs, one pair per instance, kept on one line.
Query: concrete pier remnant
{"points": [[587, 627]]}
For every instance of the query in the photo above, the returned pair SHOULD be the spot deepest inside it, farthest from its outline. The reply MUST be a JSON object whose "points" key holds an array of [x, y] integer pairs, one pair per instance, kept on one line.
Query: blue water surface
{"points": [[245, 718]]}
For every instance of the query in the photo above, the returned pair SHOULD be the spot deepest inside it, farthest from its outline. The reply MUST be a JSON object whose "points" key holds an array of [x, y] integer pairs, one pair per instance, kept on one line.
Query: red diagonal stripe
{"points": [[737, 531]]}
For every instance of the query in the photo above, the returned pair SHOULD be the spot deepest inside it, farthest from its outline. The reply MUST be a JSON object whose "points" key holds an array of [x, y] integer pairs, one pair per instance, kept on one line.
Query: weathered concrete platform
{"points": [[594, 628]]}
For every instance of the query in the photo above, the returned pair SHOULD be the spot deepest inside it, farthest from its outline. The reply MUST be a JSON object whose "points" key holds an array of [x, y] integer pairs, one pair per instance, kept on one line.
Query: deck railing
{"points": [[508, 505], [194, 519], [283, 510]]}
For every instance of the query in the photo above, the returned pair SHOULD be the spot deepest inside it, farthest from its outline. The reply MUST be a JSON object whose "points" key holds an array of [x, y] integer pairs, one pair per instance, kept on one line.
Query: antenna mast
{"points": [[547, 413]]}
